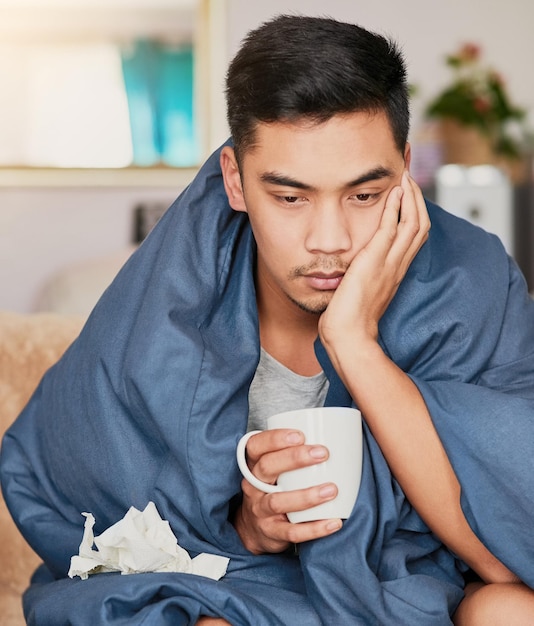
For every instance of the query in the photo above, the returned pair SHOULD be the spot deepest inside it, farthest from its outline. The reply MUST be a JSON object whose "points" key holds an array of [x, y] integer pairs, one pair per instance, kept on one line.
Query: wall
{"points": [[46, 228]]}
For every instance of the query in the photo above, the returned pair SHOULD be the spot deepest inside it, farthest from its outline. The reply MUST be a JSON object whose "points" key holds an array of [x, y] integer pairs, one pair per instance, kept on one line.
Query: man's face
{"points": [[314, 194]]}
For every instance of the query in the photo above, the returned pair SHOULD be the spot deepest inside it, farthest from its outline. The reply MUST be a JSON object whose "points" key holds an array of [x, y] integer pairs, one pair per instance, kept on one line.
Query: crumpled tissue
{"points": [[140, 542]]}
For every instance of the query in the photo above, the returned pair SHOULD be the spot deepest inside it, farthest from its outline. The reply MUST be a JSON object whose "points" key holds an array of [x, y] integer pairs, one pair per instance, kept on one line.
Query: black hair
{"points": [[294, 67]]}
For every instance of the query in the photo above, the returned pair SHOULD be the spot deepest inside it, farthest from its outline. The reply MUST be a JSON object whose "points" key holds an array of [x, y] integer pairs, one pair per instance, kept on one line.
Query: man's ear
{"points": [[232, 179], [407, 155]]}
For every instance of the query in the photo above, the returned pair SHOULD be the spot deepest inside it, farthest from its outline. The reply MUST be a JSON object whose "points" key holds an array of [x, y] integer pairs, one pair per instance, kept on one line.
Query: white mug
{"points": [[337, 428]]}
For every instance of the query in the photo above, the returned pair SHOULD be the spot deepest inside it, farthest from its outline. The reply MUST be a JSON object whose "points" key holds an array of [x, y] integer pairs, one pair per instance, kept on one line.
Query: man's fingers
{"points": [[407, 222], [392, 213], [283, 502], [272, 440], [271, 464], [417, 221], [308, 531], [272, 509]]}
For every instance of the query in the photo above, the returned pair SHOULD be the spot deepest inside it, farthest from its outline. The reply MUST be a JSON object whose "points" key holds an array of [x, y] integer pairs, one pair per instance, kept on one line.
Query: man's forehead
{"points": [[355, 126], [350, 149]]}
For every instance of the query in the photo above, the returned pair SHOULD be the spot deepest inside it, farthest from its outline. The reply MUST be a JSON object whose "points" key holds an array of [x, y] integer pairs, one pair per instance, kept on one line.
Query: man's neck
{"points": [[288, 334]]}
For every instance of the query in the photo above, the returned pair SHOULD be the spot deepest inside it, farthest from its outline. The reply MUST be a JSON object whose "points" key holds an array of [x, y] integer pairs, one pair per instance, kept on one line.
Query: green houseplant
{"points": [[477, 100]]}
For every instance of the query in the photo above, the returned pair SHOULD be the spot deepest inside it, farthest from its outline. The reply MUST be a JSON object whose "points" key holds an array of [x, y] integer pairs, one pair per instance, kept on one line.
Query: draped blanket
{"points": [[149, 402]]}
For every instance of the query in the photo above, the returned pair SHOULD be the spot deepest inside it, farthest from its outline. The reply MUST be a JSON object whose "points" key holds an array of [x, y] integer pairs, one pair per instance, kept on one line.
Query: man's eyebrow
{"points": [[284, 181], [274, 178], [376, 173]]}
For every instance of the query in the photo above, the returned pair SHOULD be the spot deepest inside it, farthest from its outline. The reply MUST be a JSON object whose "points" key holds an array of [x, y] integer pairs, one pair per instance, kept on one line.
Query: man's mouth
{"points": [[324, 282]]}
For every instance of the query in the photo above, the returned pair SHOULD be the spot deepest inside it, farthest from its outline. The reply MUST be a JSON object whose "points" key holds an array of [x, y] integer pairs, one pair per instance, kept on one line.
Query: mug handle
{"points": [[243, 466]]}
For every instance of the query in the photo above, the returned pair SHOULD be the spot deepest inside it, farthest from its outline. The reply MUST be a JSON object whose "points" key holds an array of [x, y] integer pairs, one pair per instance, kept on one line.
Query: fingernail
{"points": [[334, 525], [327, 491], [295, 437], [318, 453]]}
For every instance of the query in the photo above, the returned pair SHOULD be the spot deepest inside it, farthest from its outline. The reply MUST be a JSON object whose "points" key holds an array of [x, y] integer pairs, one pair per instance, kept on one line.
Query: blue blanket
{"points": [[151, 399]]}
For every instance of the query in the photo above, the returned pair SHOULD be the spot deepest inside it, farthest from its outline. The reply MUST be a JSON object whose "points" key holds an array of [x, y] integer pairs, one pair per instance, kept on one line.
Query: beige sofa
{"points": [[29, 345]]}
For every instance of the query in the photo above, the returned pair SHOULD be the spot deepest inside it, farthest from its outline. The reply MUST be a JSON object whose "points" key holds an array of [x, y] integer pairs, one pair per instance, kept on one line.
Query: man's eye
{"points": [[290, 199], [365, 198]]}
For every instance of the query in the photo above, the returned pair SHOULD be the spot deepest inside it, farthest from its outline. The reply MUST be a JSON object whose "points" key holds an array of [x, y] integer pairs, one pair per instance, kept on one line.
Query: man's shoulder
{"points": [[459, 256], [458, 236]]}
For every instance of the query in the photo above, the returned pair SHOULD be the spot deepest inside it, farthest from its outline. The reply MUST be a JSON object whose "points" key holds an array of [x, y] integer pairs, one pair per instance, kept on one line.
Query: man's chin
{"points": [[315, 306]]}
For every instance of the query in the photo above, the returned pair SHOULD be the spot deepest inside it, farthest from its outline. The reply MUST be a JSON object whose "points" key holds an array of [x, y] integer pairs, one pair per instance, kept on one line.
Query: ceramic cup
{"points": [[337, 428]]}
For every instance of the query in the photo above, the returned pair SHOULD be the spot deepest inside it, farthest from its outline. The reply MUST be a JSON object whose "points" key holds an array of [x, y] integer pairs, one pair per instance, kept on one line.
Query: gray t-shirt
{"points": [[275, 389]]}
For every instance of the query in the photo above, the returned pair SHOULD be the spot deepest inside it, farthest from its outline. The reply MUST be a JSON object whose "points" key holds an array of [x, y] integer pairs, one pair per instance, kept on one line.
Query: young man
{"points": [[299, 268]]}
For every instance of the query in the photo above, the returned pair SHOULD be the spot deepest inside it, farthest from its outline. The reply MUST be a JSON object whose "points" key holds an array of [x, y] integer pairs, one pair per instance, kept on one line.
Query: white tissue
{"points": [[140, 542]]}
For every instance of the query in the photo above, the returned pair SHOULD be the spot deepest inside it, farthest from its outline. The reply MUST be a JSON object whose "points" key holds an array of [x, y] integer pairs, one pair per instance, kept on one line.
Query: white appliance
{"points": [[481, 194]]}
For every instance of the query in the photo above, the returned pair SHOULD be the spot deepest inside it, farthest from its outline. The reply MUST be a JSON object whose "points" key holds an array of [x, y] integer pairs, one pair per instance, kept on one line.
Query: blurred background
{"points": [[107, 108]]}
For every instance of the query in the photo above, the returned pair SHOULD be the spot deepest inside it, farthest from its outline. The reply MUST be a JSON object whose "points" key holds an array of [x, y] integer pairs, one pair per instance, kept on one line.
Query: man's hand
{"points": [[261, 521], [376, 272]]}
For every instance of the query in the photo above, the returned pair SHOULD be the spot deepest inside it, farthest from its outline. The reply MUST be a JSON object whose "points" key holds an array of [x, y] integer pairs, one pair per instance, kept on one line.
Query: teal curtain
{"points": [[159, 86]]}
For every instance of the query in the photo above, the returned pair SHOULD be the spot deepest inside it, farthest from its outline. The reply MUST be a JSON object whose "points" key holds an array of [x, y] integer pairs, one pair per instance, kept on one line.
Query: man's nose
{"points": [[328, 230]]}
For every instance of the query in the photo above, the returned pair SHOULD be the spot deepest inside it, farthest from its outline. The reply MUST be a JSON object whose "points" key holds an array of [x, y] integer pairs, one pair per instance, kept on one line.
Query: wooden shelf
{"points": [[14, 177]]}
